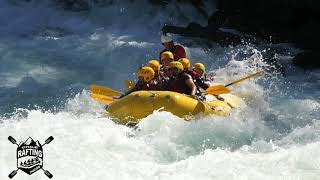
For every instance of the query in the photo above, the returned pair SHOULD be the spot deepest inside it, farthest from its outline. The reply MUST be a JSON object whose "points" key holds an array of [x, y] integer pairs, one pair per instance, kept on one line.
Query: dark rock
{"points": [[307, 32], [277, 21], [217, 20], [307, 59], [296, 22], [199, 5], [195, 30], [280, 19]]}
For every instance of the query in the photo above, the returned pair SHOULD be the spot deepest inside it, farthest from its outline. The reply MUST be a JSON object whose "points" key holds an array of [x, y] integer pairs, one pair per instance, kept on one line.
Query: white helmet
{"points": [[166, 38]]}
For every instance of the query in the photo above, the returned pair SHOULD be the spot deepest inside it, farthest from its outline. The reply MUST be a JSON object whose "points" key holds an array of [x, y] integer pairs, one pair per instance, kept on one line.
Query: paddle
{"points": [[12, 140], [129, 84], [48, 140], [47, 173], [96, 89], [103, 94], [102, 98], [242, 79], [220, 89], [13, 173]]}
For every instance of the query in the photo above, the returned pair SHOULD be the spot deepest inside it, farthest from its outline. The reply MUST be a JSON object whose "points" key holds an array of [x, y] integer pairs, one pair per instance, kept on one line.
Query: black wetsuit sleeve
{"points": [[200, 82], [137, 87]]}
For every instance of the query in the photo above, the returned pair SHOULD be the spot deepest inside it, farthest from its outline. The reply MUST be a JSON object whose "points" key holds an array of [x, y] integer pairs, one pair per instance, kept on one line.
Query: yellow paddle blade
{"points": [[129, 84], [219, 89], [101, 98], [96, 89]]}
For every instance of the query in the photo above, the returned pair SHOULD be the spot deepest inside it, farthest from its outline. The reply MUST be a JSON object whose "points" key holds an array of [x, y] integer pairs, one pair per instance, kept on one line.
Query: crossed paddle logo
{"points": [[29, 156]]}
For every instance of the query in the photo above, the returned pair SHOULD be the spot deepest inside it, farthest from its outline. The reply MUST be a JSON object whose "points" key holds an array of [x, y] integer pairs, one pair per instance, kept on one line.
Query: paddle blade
{"points": [[129, 84], [96, 89], [48, 174], [219, 89], [49, 140], [12, 174], [102, 98], [12, 140]]}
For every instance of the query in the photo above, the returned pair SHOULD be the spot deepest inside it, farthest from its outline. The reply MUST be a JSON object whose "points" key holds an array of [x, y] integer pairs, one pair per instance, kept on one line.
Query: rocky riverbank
{"points": [[280, 21]]}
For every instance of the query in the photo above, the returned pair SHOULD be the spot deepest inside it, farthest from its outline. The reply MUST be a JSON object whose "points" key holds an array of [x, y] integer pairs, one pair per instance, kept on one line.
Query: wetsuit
{"points": [[179, 85]]}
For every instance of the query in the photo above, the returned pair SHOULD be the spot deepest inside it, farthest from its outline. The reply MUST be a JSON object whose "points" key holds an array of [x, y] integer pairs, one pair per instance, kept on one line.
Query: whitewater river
{"points": [[49, 56]]}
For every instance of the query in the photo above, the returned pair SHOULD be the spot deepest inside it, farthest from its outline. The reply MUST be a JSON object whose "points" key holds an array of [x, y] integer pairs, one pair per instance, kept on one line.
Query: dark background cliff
{"points": [[277, 21], [280, 21]]}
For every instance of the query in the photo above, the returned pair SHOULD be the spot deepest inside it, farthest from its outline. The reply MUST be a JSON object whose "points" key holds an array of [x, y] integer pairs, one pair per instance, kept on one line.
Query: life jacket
{"points": [[179, 84], [193, 74], [164, 74], [178, 52], [151, 85], [160, 82]]}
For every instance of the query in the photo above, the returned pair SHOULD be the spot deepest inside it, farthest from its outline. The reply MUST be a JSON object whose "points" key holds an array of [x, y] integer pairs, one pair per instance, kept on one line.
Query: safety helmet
{"points": [[166, 38], [177, 65], [147, 73], [154, 64], [200, 66], [166, 55], [185, 62]]}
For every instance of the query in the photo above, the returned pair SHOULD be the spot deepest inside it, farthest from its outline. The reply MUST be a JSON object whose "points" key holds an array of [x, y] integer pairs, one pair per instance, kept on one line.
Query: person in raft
{"points": [[177, 50], [196, 78], [165, 58], [200, 70], [180, 81], [158, 77], [146, 81]]}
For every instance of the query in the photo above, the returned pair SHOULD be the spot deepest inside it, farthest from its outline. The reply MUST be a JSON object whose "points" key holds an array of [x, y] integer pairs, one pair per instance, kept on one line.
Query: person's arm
{"points": [[137, 87], [192, 86]]}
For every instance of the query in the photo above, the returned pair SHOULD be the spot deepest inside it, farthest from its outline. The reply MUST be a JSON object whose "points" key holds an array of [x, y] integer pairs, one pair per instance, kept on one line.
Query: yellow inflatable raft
{"points": [[137, 105]]}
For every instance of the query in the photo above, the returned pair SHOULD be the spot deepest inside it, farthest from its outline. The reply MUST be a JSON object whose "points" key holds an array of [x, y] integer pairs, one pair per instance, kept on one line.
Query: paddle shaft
{"points": [[242, 79]]}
